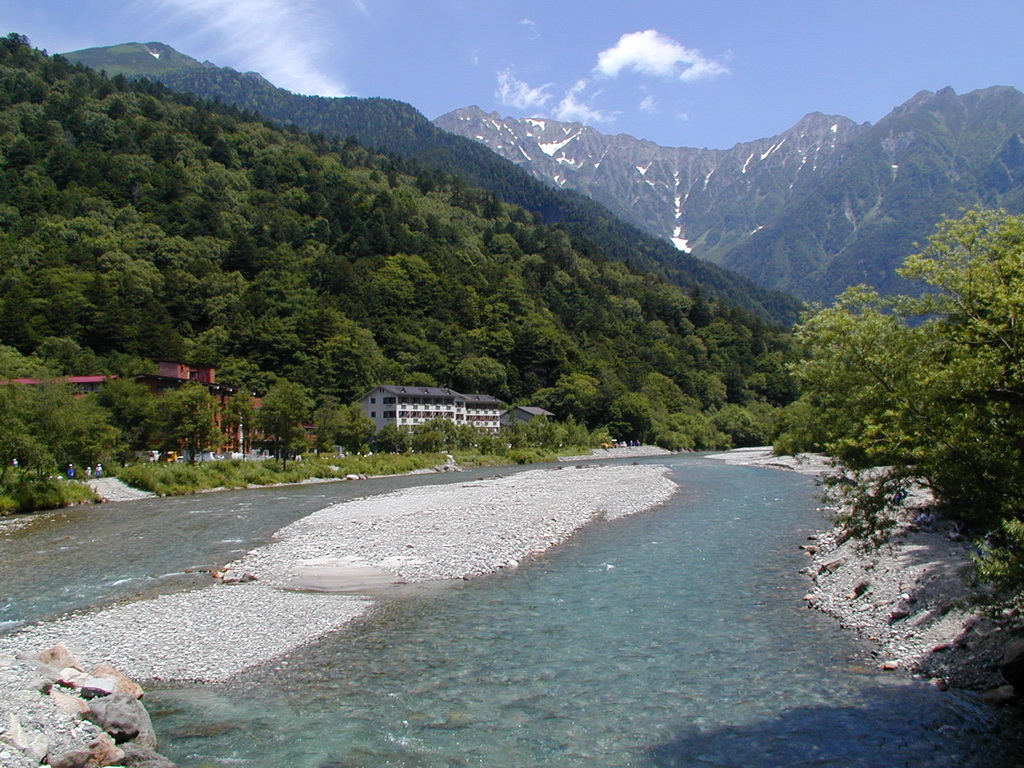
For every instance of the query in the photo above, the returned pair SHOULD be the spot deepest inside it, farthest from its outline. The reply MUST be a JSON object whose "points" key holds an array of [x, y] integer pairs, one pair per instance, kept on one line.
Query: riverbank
{"points": [[912, 598]]}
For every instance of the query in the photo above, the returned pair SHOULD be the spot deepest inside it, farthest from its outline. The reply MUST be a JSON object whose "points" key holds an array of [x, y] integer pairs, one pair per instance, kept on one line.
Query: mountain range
{"points": [[827, 204], [824, 205]]}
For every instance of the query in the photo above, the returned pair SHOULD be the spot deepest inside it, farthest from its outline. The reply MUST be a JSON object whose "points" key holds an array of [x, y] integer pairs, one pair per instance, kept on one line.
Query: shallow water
{"points": [[673, 638]]}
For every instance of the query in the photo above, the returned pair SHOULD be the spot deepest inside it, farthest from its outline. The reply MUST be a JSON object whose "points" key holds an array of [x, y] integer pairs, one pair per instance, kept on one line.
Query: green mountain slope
{"points": [[139, 224], [933, 157], [397, 127]]}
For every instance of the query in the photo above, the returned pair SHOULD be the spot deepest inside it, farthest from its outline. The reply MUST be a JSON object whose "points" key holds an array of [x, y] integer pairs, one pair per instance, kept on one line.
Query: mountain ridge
{"points": [[754, 207], [826, 204], [396, 127]]}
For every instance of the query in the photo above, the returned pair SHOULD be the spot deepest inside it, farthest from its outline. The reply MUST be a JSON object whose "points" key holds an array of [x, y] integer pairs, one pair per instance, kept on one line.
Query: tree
{"points": [[72, 429], [190, 421], [18, 446], [481, 374], [355, 429], [391, 439], [932, 387], [282, 416], [132, 411], [238, 418], [631, 417], [327, 420]]}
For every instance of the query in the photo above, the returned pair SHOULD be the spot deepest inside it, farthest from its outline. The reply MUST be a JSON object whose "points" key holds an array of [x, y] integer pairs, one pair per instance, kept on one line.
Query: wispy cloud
{"points": [[574, 110], [649, 105], [281, 39], [516, 93], [647, 53], [531, 28], [652, 53]]}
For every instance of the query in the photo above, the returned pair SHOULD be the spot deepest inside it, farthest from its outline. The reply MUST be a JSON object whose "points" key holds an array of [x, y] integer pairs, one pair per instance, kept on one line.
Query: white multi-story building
{"points": [[408, 407]]}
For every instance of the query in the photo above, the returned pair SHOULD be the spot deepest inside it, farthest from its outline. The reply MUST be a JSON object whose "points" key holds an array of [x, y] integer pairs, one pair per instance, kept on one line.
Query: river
{"points": [[673, 638]]}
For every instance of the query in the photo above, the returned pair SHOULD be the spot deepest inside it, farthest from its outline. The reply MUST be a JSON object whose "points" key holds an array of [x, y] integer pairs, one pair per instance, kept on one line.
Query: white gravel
{"points": [[418, 534], [112, 489]]}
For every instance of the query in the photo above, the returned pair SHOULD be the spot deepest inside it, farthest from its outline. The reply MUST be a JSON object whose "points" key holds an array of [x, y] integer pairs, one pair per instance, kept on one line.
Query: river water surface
{"points": [[673, 638]]}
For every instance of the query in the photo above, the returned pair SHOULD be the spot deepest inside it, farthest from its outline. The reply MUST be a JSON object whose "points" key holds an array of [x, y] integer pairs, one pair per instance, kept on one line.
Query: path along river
{"points": [[677, 637]]}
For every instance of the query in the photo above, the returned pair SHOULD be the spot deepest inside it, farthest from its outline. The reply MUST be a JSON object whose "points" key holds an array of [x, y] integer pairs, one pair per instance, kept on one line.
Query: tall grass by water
{"points": [[175, 479]]}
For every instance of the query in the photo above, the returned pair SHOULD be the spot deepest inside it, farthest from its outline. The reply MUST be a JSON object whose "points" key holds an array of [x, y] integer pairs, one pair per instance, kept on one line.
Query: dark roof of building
{"points": [[482, 399], [535, 410], [423, 391], [433, 392], [177, 381]]}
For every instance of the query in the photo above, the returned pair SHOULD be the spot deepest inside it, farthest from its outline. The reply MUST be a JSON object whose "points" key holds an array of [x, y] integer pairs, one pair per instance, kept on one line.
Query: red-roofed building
{"points": [[82, 385]]}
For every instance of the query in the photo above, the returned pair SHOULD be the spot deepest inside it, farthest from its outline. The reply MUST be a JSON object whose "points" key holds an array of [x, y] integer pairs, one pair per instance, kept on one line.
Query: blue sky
{"points": [[696, 73]]}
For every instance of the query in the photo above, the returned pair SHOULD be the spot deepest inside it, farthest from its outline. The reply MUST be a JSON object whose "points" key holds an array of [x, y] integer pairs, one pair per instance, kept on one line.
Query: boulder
{"points": [[1002, 695], [72, 677], [142, 757], [124, 684], [1012, 666], [236, 577], [59, 657], [69, 704], [859, 590], [832, 566], [30, 743], [123, 717], [96, 687], [99, 752], [901, 610]]}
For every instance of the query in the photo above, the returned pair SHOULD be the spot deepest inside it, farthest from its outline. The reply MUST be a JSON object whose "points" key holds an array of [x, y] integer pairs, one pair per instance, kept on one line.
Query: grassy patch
{"points": [[176, 479], [27, 493]]}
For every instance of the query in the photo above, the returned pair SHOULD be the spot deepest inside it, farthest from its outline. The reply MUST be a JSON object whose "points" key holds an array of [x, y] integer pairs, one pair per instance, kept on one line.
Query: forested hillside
{"points": [[398, 128], [137, 225]]}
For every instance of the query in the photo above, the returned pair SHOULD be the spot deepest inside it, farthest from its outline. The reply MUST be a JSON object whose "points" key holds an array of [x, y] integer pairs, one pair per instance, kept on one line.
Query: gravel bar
{"points": [[305, 578]]}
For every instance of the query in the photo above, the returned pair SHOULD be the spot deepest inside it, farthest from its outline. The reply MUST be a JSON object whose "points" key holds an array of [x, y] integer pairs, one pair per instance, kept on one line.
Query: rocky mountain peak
{"points": [[824, 204]]}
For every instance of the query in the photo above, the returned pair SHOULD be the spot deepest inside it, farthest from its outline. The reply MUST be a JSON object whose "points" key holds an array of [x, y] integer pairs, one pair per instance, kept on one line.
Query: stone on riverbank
{"points": [[45, 717], [912, 599]]}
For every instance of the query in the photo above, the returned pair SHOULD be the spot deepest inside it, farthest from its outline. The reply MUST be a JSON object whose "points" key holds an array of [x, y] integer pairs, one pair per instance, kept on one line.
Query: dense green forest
{"points": [[137, 224], [398, 128]]}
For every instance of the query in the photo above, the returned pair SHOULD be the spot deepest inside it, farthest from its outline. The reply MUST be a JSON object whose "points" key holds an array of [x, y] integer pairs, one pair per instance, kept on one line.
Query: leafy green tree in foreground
{"points": [[932, 388], [355, 429]]}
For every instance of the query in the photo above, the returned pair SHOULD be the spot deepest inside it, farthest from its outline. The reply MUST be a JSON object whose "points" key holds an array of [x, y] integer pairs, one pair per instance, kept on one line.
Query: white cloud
{"points": [[652, 53], [281, 39], [649, 105], [572, 110], [516, 93]]}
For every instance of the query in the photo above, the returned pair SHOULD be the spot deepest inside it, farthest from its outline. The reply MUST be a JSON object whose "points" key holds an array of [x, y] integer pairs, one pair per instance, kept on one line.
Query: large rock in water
{"points": [[123, 717]]}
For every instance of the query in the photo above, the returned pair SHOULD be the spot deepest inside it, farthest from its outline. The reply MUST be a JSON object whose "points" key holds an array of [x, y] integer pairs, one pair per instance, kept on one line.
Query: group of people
{"points": [[89, 472]]}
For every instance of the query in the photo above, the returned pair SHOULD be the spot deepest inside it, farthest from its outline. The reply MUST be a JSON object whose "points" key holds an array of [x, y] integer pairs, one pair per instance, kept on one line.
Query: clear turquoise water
{"points": [[675, 638]]}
